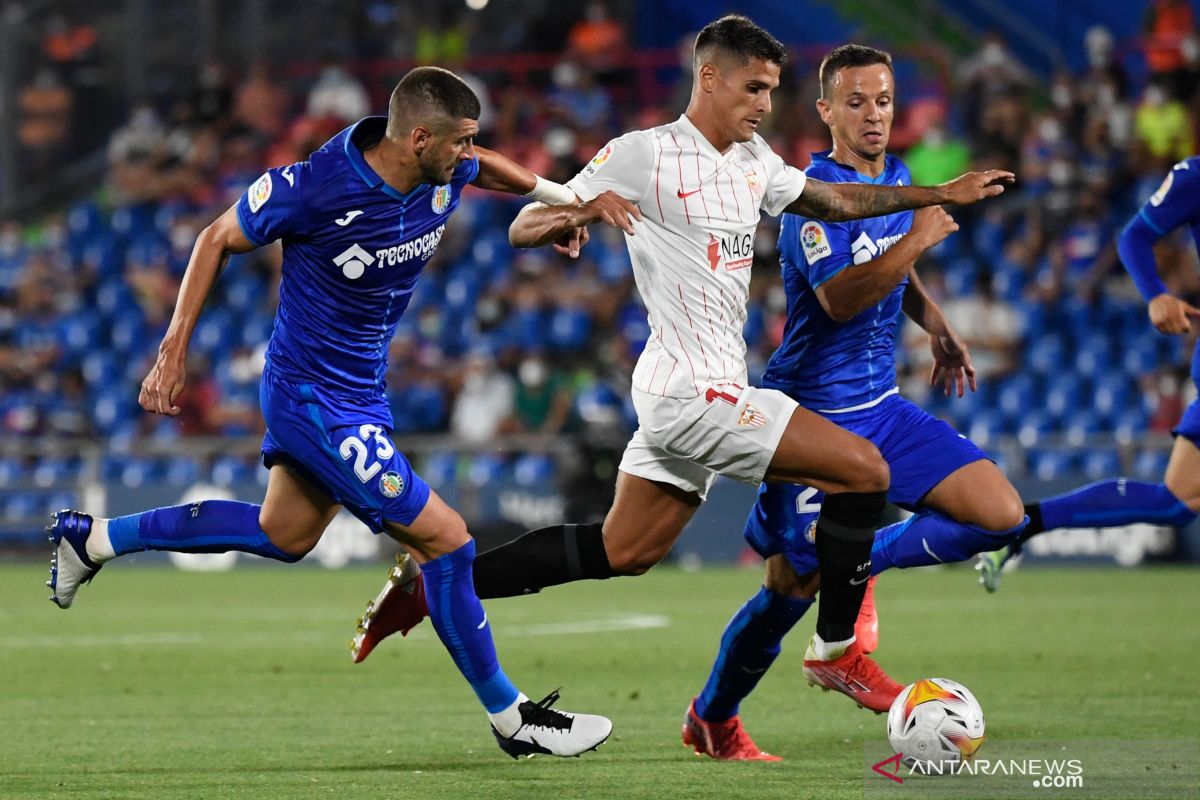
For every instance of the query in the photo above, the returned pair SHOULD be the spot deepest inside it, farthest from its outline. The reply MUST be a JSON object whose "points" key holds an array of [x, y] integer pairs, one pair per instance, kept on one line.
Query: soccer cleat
{"points": [[399, 606], [866, 628], [855, 675], [724, 741], [70, 566], [991, 565], [555, 733]]}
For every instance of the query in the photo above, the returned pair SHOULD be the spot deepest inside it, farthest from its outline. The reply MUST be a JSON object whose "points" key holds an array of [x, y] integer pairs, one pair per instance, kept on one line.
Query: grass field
{"points": [[166, 684]]}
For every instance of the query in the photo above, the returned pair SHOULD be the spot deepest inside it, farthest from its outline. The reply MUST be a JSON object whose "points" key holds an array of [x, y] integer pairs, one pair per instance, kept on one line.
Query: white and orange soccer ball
{"points": [[935, 721]]}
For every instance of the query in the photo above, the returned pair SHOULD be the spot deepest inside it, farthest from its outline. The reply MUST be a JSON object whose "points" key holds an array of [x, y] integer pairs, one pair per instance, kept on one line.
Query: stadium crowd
{"points": [[501, 341]]}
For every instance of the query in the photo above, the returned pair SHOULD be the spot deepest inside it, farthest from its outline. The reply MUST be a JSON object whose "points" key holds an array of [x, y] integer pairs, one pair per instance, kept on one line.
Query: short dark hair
{"points": [[740, 37], [430, 91], [848, 56]]}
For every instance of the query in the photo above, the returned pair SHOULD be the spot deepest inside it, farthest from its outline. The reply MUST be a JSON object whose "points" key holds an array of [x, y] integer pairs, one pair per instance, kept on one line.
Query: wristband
{"points": [[551, 193]]}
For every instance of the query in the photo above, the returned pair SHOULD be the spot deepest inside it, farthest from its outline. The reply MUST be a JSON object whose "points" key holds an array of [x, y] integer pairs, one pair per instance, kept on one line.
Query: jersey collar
{"points": [[825, 157], [355, 156]]}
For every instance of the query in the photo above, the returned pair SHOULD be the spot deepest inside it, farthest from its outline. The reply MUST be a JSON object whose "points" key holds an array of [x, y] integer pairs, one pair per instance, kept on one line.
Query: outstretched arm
{"points": [[838, 202], [211, 252], [539, 224]]}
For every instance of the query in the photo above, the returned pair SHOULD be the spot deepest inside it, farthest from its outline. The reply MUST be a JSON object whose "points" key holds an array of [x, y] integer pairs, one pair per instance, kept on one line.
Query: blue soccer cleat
{"points": [[556, 733], [70, 566]]}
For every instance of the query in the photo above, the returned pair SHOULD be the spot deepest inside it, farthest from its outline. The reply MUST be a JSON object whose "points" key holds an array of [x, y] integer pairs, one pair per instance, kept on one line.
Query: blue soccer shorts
{"points": [[920, 449], [342, 448]]}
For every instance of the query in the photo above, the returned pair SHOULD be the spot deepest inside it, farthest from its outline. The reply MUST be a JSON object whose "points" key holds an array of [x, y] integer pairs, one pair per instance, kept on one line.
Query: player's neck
{"points": [[389, 163], [872, 168], [707, 126]]}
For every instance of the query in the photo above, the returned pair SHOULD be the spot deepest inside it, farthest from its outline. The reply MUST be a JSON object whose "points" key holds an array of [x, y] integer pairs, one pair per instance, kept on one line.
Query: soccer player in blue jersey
{"points": [[1174, 501], [359, 220], [846, 285]]}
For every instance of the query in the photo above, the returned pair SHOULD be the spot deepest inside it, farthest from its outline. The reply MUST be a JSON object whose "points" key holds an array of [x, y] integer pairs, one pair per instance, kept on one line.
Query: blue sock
{"points": [[933, 538], [1115, 502], [461, 624], [748, 647], [210, 526]]}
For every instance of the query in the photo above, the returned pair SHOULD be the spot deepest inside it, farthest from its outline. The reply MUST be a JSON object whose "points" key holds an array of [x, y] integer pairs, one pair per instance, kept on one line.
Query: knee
{"points": [[295, 540], [1004, 512], [867, 472], [633, 558]]}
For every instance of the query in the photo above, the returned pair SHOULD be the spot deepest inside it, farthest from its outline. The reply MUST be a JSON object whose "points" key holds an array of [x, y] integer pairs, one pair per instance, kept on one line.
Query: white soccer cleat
{"points": [[70, 566], [556, 733]]}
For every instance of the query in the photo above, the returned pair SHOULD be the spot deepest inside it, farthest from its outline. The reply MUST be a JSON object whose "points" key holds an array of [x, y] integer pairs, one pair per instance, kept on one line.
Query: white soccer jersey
{"points": [[692, 252]]}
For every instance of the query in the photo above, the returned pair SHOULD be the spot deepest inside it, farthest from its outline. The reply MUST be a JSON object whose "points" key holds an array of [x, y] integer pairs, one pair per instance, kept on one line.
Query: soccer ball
{"points": [[935, 721]]}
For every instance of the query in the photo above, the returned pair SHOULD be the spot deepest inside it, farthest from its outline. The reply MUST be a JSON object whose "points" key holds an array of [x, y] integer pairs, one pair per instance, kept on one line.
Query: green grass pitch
{"points": [[167, 684]]}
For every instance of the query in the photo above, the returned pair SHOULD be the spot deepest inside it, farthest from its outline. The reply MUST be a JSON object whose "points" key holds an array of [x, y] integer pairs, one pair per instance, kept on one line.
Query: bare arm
{"points": [[861, 286], [540, 224], [838, 202], [952, 368], [502, 174], [921, 308], [211, 252]]}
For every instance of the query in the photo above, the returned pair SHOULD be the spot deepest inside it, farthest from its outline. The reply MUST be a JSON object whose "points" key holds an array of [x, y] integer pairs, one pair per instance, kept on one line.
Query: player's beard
{"points": [[435, 173]]}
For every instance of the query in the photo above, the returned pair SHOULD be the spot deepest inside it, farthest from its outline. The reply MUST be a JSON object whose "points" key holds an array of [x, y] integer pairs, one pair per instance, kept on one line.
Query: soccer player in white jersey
{"points": [[688, 196]]}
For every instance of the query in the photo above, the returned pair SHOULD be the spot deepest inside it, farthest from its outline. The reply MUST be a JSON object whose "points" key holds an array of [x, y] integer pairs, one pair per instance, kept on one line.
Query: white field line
{"points": [[625, 622]]}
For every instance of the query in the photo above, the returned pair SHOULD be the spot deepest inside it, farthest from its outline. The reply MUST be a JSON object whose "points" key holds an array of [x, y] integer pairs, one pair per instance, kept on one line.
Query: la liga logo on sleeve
{"points": [[598, 160], [259, 192], [815, 242]]}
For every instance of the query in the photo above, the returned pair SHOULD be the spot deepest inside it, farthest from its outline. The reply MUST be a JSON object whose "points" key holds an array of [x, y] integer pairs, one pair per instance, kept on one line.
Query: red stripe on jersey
{"points": [[679, 163], [699, 180], [711, 329], [667, 380], [733, 189], [650, 383], [691, 366], [693, 327], [657, 174]]}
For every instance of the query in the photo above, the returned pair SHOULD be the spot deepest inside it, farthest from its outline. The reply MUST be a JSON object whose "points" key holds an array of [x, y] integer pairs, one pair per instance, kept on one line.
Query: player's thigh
{"points": [[438, 529], [646, 518], [818, 453], [1183, 472], [294, 512], [978, 494]]}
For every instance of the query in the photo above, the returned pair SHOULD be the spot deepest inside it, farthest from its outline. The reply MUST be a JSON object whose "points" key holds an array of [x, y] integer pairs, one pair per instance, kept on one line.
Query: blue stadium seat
{"points": [[1033, 425], [1102, 463], [11, 471], [1130, 425], [534, 470], [570, 329], [1112, 394], [440, 469], [486, 468], [21, 506], [1018, 395], [181, 472], [1063, 396], [987, 426], [1082, 423], [1151, 465], [1051, 464], [1093, 356], [54, 471], [231, 471], [1048, 353]]}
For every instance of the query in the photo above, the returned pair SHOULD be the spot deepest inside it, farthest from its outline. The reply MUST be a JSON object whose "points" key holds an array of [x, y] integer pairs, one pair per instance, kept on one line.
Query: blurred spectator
{"points": [[338, 94], [992, 74], [937, 157], [990, 326], [260, 103], [1170, 42], [45, 121], [484, 401], [542, 403], [598, 39], [1162, 130]]}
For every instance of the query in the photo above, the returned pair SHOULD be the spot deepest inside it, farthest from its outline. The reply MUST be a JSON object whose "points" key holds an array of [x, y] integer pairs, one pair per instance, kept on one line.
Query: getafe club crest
{"points": [[391, 484], [441, 199]]}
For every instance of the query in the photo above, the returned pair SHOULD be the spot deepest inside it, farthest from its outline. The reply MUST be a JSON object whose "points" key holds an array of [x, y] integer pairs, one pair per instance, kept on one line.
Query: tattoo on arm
{"points": [[838, 202]]}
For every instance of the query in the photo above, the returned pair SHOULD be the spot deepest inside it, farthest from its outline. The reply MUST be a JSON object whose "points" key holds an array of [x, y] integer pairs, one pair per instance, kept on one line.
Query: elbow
{"points": [[517, 237]]}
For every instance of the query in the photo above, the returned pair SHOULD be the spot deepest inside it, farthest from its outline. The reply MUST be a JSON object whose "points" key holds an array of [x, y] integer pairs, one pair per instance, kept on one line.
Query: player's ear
{"points": [[419, 139], [707, 76], [823, 110]]}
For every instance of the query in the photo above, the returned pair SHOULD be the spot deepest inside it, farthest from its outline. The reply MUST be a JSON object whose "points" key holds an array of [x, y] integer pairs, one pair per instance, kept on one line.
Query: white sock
{"points": [[827, 651], [508, 721], [99, 546]]}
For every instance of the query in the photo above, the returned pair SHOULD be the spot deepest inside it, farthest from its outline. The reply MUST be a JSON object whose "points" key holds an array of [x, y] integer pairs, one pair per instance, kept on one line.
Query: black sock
{"points": [[845, 533], [541, 558], [1035, 526]]}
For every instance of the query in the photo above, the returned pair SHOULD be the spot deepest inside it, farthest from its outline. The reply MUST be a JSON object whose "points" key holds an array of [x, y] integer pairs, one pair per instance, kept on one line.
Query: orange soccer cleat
{"points": [[855, 675], [724, 741], [399, 606], [866, 629]]}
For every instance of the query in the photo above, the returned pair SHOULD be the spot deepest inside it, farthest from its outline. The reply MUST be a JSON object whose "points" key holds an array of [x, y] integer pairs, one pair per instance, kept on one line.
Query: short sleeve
{"points": [[820, 250], [624, 166], [272, 208], [1177, 200], [784, 184]]}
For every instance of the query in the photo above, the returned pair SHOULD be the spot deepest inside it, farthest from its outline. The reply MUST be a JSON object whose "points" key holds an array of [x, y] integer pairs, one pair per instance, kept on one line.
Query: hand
{"points": [[609, 208], [162, 385], [952, 367], [932, 224], [975, 186], [1169, 314], [571, 243]]}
